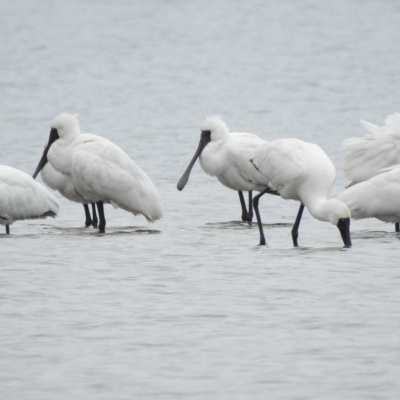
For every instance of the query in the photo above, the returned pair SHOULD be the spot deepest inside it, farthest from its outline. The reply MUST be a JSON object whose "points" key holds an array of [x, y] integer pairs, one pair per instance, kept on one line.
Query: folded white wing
{"points": [[366, 156]]}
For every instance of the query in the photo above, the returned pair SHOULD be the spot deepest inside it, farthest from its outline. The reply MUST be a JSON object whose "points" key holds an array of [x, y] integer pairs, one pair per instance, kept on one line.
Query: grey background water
{"points": [[191, 307]]}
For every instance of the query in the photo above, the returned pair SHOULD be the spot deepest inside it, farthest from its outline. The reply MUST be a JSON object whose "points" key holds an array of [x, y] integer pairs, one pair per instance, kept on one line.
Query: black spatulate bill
{"points": [[205, 138], [344, 229], [43, 161]]}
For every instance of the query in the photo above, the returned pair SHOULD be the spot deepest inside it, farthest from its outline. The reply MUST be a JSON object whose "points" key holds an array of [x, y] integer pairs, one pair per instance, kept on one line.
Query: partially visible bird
{"points": [[226, 155], [366, 156], [301, 171], [21, 197], [63, 184], [377, 197], [99, 170]]}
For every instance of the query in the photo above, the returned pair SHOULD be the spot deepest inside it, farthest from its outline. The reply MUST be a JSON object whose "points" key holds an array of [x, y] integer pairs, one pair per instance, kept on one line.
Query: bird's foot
{"points": [[295, 236], [247, 217]]}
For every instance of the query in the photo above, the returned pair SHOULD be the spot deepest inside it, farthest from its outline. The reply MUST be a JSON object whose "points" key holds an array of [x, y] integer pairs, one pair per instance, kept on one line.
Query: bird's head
{"points": [[339, 214], [65, 126], [216, 127], [212, 129]]}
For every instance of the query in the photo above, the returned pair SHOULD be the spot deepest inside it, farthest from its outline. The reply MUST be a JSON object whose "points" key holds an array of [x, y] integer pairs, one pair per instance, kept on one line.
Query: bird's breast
{"points": [[211, 161]]}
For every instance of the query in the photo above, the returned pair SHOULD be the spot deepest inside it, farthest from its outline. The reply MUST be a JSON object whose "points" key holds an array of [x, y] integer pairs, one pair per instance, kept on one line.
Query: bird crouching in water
{"points": [[21, 197], [367, 156], [377, 197]]}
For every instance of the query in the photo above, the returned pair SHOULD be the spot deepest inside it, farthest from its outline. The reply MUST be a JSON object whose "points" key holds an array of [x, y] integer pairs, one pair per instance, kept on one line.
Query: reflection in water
{"points": [[244, 225], [126, 230]]}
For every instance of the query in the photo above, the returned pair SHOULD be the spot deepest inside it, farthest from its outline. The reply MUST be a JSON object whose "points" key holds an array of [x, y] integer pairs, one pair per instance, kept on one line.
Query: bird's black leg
{"points": [[250, 213], [94, 219], [295, 229], [7, 229], [255, 205], [102, 224], [397, 227], [243, 204], [88, 221], [246, 216]]}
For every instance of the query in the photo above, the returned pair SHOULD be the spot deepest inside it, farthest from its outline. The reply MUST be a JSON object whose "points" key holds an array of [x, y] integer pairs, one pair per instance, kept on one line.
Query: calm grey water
{"points": [[191, 307]]}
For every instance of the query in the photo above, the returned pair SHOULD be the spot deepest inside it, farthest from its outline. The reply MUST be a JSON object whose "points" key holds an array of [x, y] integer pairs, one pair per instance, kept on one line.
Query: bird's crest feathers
{"points": [[216, 125], [65, 124]]}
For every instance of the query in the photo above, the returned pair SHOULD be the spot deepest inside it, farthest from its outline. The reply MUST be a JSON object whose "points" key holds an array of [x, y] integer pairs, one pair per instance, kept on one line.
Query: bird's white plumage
{"points": [[21, 197], [301, 171], [227, 156], [378, 197], [380, 148], [62, 183], [101, 171]]}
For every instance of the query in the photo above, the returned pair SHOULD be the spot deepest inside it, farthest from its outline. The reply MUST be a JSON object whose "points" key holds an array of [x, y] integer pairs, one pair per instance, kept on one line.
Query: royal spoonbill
{"points": [[63, 184], [366, 156], [226, 155], [99, 170], [23, 198], [300, 171], [377, 197]]}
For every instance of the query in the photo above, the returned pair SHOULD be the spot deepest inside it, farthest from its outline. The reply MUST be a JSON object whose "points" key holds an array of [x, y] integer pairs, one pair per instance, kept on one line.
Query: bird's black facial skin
{"points": [[205, 138], [344, 228], [43, 161]]}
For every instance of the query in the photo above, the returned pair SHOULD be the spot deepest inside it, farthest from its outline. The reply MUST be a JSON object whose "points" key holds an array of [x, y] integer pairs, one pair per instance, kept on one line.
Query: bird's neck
{"points": [[326, 210], [60, 157], [316, 207]]}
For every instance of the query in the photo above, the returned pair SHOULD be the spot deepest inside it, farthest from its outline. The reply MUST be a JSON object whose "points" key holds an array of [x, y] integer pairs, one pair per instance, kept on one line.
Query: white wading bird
{"points": [[23, 198], [377, 197], [301, 171], [367, 156], [65, 187], [226, 155], [99, 170]]}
